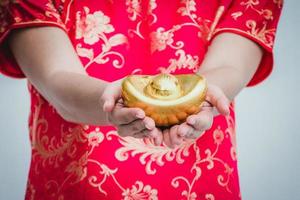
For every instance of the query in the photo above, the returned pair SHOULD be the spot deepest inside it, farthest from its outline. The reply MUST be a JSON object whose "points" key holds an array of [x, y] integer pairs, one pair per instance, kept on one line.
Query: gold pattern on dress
{"points": [[279, 3], [162, 38], [211, 159], [92, 28], [51, 150], [138, 190], [217, 18], [148, 152], [30, 191], [209, 197], [250, 4], [261, 33], [184, 61], [236, 15], [134, 10]]}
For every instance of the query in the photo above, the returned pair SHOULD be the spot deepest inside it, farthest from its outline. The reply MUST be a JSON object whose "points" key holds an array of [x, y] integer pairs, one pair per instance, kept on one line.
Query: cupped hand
{"points": [[128, 121], [197, 124]]}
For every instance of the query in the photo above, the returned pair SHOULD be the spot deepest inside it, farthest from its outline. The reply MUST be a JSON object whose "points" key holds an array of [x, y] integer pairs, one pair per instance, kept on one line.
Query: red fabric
{"points": [[257, 20], [114, 39]]}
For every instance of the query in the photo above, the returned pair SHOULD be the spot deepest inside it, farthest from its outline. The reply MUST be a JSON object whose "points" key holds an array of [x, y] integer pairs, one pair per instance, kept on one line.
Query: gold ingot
{"points": [[167, 99]]}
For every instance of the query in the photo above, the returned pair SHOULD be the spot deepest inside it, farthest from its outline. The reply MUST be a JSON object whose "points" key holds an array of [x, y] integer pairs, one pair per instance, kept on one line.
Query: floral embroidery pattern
{"points": [[139, 191], [161, 38], [149, 153], [261, 32], [134, 9], [264, 34], [68, 156], [182, 62], [210, 159], [266, 13], [93, 28]]}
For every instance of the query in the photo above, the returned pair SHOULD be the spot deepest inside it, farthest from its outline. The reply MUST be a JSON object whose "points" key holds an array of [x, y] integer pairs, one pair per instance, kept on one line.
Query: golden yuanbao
{"points": [[167, 99]]}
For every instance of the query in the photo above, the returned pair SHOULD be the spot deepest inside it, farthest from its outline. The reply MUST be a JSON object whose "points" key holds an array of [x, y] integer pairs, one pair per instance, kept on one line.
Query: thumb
{"points": [[110, 96], [218, 99]]}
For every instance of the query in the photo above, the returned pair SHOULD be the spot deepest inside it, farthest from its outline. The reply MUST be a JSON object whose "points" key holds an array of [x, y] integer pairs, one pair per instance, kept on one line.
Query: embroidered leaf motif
{"points": [[117, 40], [84, 52]]}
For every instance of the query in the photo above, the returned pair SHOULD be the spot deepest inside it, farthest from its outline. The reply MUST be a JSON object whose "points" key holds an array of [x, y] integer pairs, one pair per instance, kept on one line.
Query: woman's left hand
{"points": [[196, 124]]}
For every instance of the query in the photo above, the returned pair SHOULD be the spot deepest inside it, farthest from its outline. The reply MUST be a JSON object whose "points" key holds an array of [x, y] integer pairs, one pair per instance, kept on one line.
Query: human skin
{"points": [[48, 59]]}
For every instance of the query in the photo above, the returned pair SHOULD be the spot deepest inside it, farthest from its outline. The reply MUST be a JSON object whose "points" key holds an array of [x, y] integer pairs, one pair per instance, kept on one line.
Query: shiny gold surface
{"points": [[166, 98]]}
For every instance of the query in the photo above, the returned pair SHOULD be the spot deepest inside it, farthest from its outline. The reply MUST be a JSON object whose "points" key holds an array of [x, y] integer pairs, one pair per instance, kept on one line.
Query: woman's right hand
{"points": [[128, 121]]}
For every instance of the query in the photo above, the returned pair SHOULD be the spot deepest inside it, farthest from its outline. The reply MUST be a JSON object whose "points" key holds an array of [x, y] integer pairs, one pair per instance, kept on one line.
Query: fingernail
{"points": [[105, 106], [140, 115], [191, 121], [181, 133], [156, 141], [148, 126]]}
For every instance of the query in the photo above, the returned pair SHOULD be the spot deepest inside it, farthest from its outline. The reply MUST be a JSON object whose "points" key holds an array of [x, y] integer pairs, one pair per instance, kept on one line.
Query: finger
{"points": [[110, 96], [218, 99], [175, 138], [124, 115], [154, 135], [157, 136], [184, 130], [195, 134], [207, 106], [132, 128], [201, 121], [142, 134], [149, 123], [166, 138], [192, 133]]}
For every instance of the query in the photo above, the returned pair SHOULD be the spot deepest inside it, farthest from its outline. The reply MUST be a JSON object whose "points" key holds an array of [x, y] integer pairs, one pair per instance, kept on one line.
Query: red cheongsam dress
{"points": [[115, 38]]}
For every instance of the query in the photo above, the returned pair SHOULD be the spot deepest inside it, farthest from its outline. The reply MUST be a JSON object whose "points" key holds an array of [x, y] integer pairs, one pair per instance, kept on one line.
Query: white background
{"points": [[268, 124]]}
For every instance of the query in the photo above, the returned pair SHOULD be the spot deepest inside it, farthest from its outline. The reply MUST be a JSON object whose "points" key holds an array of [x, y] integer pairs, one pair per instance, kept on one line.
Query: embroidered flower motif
{"points": [[250, 3], [267, 14], [184, 61], [78, 168], [262, 33], [52, 12], [190, 6], [236, 15], [278, 3], [160, 39], [192, 196], [152, 5], [91, 26], [95, 137], [134, 8], [140, 192], [218, 136], [209, 197], [148, 153]]}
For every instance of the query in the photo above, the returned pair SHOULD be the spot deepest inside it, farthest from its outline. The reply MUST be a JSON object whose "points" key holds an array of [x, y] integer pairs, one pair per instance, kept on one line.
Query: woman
{"points": [[75, 54]]}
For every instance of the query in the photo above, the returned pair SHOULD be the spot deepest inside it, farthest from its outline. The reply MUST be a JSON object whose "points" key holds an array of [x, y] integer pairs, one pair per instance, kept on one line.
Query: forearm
{"points": [[77, 97], [47, 58], [230, 63]]}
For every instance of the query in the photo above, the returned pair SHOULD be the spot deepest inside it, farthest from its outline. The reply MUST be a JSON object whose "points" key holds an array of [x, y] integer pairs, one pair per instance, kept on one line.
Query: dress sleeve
{"points": [[15, 14], [257, 20]]}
